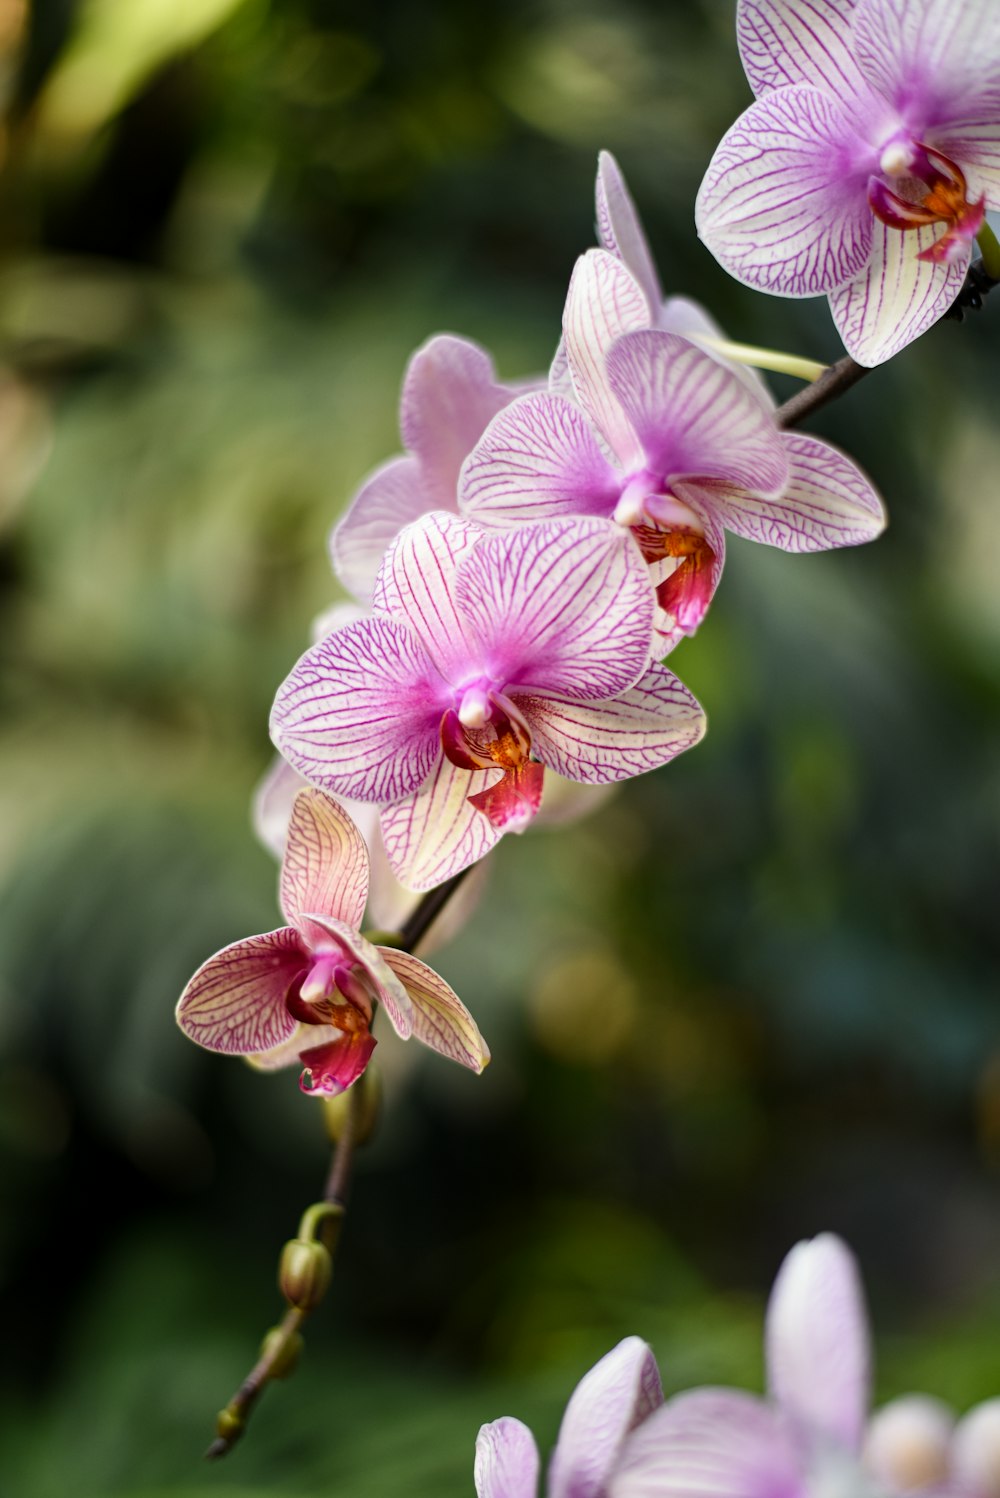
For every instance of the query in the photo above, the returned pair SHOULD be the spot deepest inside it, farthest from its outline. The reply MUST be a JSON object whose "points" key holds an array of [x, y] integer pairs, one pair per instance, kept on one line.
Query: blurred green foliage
{"points": [[755, 996]]}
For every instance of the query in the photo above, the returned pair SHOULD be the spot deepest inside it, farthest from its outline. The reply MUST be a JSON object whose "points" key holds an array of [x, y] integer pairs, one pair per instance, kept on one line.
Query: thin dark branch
{"points": [[417, 925], [831, 383]]}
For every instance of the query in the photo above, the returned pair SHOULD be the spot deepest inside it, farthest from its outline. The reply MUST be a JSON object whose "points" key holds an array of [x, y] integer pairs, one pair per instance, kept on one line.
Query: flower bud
{"points": [[335, 1109], [304, 1273], [284, 1348], [976, 1450], [229, 1424], [907, 1443]]}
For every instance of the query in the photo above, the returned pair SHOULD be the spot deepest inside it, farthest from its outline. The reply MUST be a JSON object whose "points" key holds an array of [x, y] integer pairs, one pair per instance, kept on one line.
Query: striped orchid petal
{"points": [[564, 607], [506, 1461], [416, 583], [440, 1019], [601, 742], [711, 1443], [780, 206], [784, 42], [538, 459], [618, 1393], [932, 56], [450, 394], [380, 978], [392, 497], [897, 296], [693, 416], [436, 833], [827, 502], [289, 1051], [817, 1341], [236, 1000], [358, 714], [620, 230], [604, 301], [325, 868]]}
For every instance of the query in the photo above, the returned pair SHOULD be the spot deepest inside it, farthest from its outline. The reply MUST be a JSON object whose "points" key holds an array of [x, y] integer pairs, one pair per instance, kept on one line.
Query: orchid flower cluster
{"points": [[813, 1434]]}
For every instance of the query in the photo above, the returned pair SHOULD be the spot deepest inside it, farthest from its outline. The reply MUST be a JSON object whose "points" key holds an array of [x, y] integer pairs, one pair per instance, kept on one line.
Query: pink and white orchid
{"points": [[308, 990], [864, 168], [450, 393], [486, 659], [616, 1396], [696, 450]]}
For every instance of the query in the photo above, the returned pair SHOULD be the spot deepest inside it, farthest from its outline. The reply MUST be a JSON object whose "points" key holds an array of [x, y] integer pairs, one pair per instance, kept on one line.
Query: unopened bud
{"points": [[976, 1450], [229, 1424], [283, 1350], [336, 1109], [907, 1443], [304, 1273]]}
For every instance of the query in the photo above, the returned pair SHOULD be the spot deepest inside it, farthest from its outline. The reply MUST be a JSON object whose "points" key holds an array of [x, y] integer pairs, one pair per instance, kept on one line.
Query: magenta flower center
{"points": [[932, 189]]}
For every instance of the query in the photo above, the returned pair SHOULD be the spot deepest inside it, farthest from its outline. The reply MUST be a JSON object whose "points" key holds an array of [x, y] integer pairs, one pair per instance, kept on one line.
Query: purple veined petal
{"points": [[784, 202], [440, 1019], [416, 583], [933, 60], [683, 601], [289, 1051], [601, 742], [536, 460], [436, 833], [679, 314], [506, 1460], [710, 1443], [325, 868], [564, 608], [337, 616], [784, 42], [693, 416], [271, 805], [386, 987], [620, 231], [618, 1393], [817, 1342], [604, 301], [560, 381], [897, 297], [358, 715], [236, 1000], [450, 394], [827, 502], [392, 497]]}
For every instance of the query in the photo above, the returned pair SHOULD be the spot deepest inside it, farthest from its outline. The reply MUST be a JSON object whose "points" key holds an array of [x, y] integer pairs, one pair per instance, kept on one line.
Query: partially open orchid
{"points": [[486, 659], [616, 1396], [450, 392], [697, 446], [308, 990], [864, 168]]}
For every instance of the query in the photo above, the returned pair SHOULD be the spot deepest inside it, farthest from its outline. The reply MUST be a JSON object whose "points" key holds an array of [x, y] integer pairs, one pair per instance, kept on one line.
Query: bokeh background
{"points": [[753, 997]]}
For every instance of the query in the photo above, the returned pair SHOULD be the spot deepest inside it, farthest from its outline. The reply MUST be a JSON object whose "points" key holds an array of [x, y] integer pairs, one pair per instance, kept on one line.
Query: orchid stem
{"points": [[765, 358], [832, 382], [282, 1345], [989, 248]]}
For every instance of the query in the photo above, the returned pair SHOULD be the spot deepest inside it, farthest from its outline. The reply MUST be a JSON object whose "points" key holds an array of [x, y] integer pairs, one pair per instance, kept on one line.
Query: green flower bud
{"points": [[335, 1109], [304, 1273], [229, 1424], [285, 1350]]}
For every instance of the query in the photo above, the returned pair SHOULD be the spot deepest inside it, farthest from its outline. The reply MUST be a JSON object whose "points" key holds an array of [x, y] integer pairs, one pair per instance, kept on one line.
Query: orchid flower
{"points": [[616, 1396], [308, 990], [864, 168], [697, 448], [450, 392], [485, 659]]}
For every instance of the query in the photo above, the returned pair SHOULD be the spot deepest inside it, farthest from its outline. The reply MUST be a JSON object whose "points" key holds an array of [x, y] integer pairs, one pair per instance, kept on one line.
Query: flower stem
{"points": [[320, 1223], [764, 358], [989, 248], [831, 383]]}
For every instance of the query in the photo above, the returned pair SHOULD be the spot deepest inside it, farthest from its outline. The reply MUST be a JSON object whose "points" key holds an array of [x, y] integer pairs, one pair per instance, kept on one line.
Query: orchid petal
{"points": [[325, 868], [271, 807], [618, 1393], [435, 833], [514, 801], [506, 1460], [440, 1019], [536, 460], [782, 207], [693, 416], [828, 502], [604, 301], [710, 1443], [686, 612], [236, 1000], [450, 394], [564, 607], [620, 231], [321, 929], [897, 297], [598, 743], [417, 583], [560, 381], [392, 497], [931, 59], [289, 1051], [335, 1065], [679, 314], [358, 715], [798, 41], [817, 1341]]}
